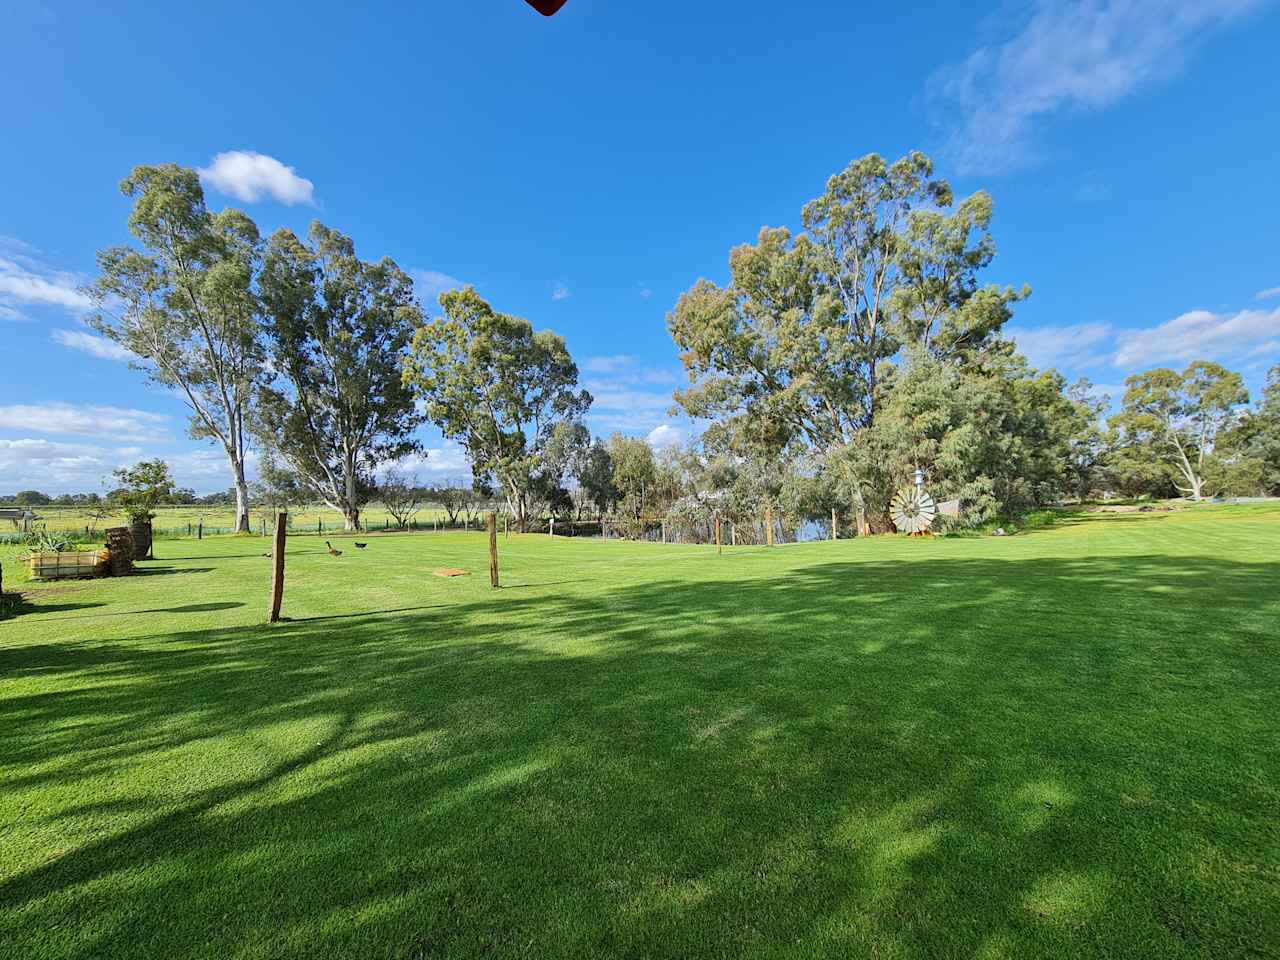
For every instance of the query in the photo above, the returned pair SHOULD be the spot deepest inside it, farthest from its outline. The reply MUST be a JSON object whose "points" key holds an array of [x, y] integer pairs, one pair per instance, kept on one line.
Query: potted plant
{"points": [[142, 488]]}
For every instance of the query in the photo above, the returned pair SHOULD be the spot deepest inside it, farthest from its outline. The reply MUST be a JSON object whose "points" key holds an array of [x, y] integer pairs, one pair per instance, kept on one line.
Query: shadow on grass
{"points": [[17, 604], [919, 758]]}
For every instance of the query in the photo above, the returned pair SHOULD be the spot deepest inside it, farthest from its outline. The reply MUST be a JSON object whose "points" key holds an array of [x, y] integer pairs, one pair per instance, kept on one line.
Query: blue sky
{"points": [[582, 171]]}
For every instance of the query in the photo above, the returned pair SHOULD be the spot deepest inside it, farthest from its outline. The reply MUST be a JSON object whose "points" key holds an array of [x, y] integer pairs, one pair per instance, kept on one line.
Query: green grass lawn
{"points": [[1060, 744]]}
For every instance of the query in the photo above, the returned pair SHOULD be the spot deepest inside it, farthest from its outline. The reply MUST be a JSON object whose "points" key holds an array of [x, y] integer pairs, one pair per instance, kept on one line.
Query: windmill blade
{"points": [[548, 8], [912, 510]]}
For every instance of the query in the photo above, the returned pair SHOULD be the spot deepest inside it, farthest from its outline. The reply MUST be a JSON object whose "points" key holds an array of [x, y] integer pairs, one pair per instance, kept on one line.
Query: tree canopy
{"points": [[491, 383], [337, 329], [184, 306]]}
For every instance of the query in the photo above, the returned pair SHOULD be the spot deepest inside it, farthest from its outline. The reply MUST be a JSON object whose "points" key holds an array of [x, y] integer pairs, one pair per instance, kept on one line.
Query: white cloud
{"points": [[1268, 294], [250, 176], [54, 467], [561, 292], [666, 435], [1074, 345], [435, 464], [1065, 56], [58, 418], [93, 345], [1200, 334], [28, 282], [12, 314], [625, 368], [429, 284], [613, 364]]}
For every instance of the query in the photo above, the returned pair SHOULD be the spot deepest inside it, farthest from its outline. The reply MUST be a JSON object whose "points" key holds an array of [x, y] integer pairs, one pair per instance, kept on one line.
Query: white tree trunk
{"points": [[242, 500]]}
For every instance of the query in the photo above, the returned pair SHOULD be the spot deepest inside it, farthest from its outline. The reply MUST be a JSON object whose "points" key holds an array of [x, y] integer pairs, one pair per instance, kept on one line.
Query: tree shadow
{"points": [[15, 604], [168, 571], [923, 757]]}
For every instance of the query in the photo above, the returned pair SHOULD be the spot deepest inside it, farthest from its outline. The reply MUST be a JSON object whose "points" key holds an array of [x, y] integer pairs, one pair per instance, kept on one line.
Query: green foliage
{"points": [[1175, 418], [1252, 445], [143, 487], [491, 383], [402, 496], [794, 359], [593, 472], [337, 329], [31, 498], [184, 305], [51, 541], [634, 476]]}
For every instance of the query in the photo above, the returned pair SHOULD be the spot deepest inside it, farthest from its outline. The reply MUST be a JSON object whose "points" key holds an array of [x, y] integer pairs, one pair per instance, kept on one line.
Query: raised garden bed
{"points": [[69, 565]]}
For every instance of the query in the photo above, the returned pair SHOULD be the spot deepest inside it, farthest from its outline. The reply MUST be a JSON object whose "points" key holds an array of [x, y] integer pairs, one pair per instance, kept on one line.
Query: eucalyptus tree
{"points": [[337, 328], [799, 347], [635, 475], [491, 383], [184, 305], [1088, 441], [1257, 437], [1176, 417]]}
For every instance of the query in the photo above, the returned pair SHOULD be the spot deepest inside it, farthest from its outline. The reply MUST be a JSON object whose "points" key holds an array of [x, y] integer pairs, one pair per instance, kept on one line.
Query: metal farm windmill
{"points": [[912, 510]]}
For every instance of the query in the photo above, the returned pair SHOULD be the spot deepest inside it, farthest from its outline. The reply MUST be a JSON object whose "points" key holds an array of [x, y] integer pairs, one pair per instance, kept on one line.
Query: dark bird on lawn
{"points": [[332, 552], [360, 546]]}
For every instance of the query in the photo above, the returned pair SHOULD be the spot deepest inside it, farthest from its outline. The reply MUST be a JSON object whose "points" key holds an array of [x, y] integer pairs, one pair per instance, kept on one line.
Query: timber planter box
{"points": [[72, 565]]}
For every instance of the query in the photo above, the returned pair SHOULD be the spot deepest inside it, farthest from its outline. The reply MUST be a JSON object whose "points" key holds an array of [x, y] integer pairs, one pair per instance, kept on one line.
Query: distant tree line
{"points": [[837, 362], [831, 366], [323, 362]]}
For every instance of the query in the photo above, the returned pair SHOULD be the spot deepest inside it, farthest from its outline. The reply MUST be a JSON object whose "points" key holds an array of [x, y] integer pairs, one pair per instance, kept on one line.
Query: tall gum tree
{"points": [[497, 387], [337, 329], [1178, 416], [797, 347], [185, 306]]}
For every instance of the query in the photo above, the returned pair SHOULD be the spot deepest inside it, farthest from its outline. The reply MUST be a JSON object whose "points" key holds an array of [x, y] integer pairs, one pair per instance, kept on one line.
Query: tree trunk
{"points": [[350, 504], [242, 498]]}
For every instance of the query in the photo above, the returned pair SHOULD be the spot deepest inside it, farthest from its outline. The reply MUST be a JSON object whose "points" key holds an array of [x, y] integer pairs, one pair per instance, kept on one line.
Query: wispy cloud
{"points": [[93, 345], [429, 284], [1199, 334], [88, 421], [250, 176], [1234, 337], [628, 369], [55, 467], [624, 392], [1073, 345], [1268, 294], [1065, 56], [645, 292], [435, 465], [25, 281], [561, 292]]}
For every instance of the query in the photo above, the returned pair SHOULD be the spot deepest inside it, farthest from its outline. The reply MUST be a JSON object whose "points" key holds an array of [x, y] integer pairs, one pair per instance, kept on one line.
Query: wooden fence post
{"points": [[768, 525], [277, 563], [733, 533], [835, 530], [719, 545], [200, 531], [552, 527], [664, 529], [493, 550]]}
